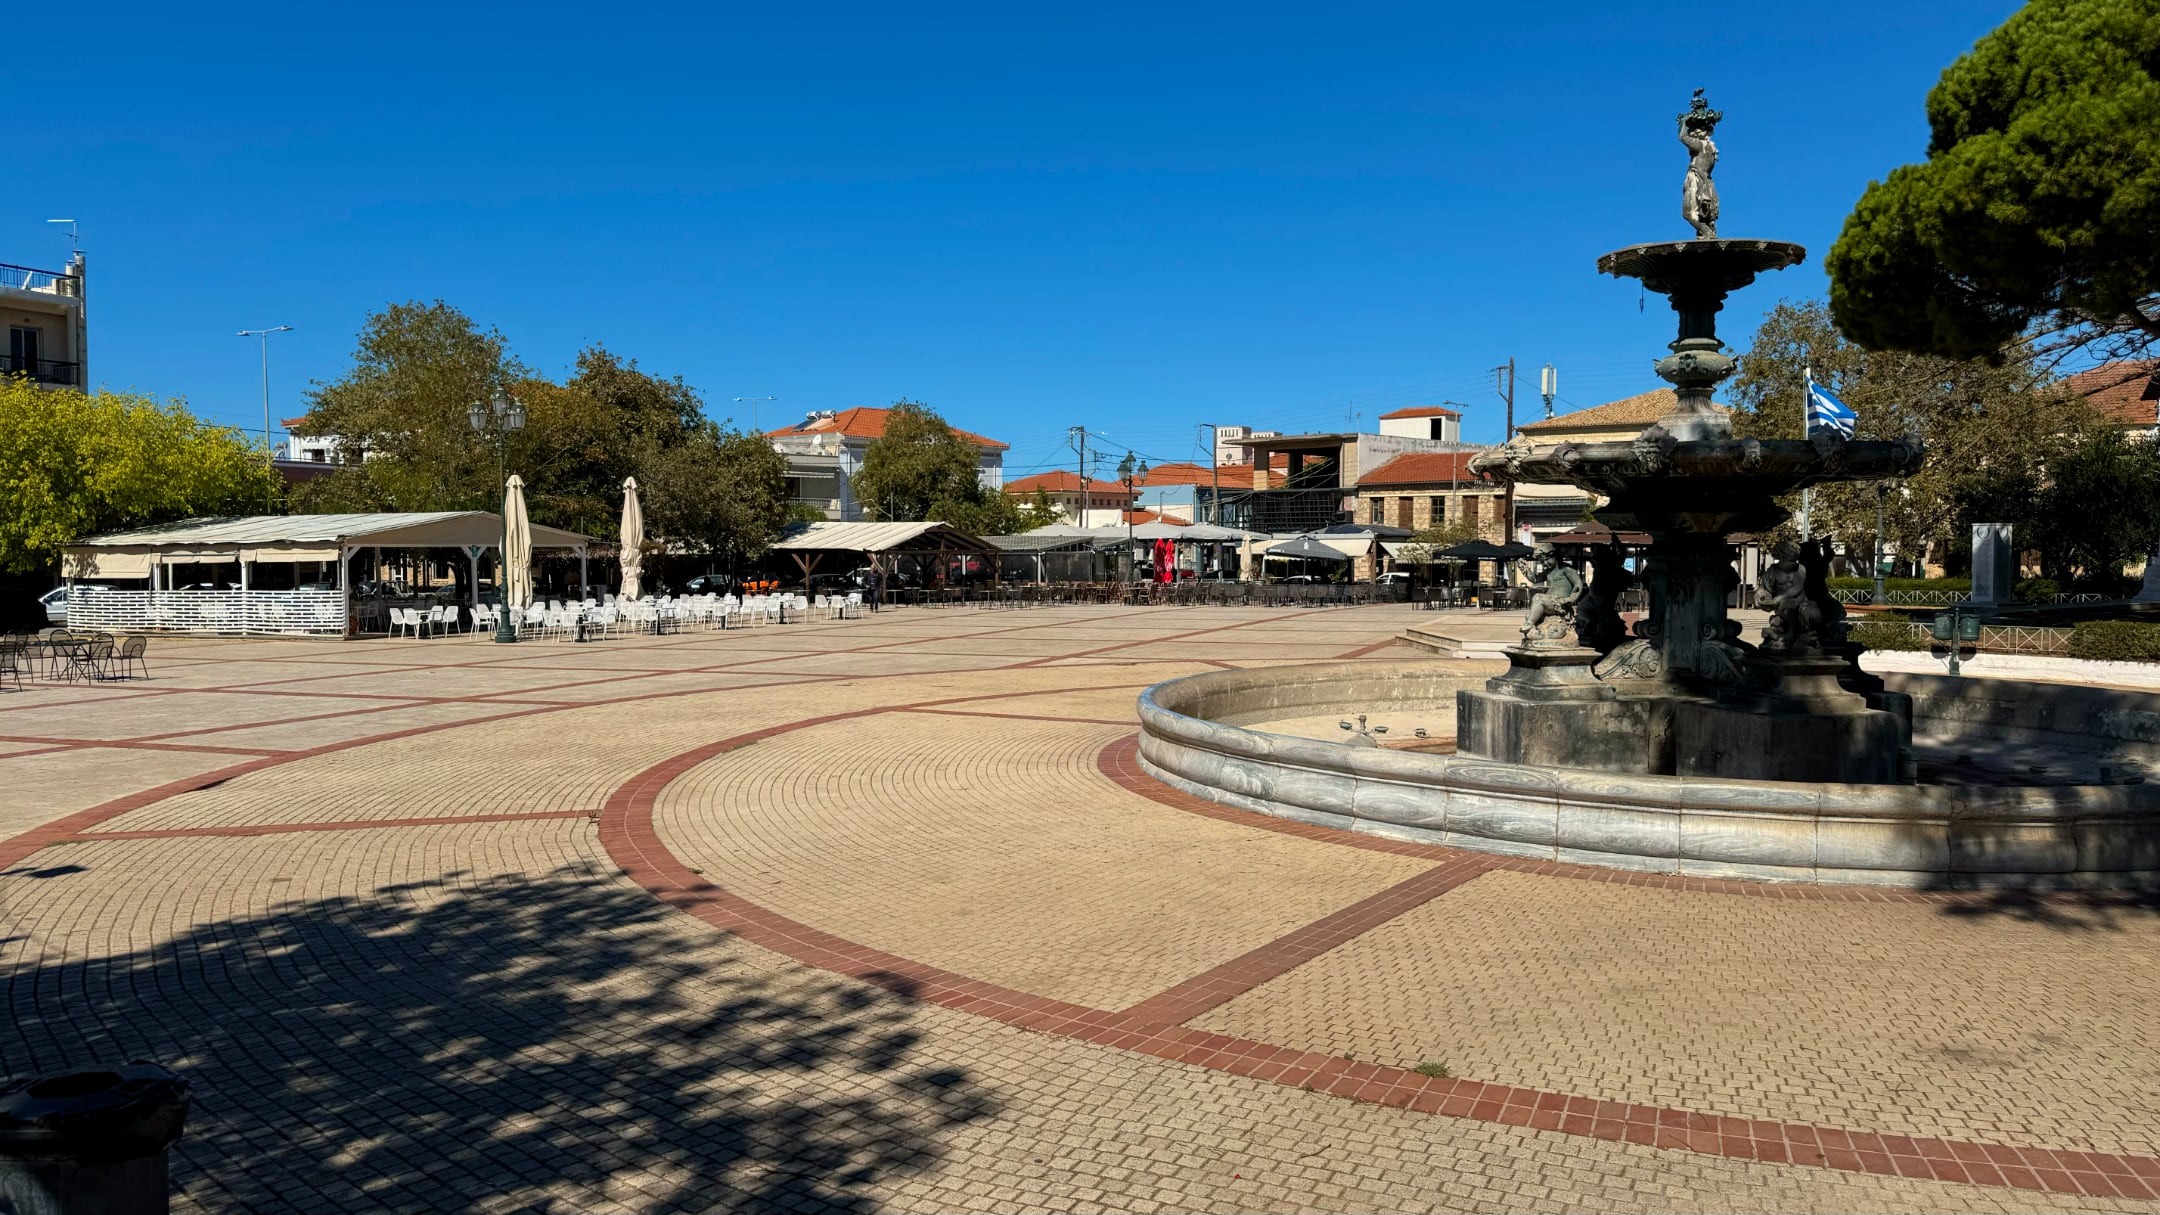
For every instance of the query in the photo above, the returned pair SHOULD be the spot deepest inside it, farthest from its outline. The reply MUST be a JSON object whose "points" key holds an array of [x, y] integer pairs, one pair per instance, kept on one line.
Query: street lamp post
{"points": [[1880, 490], [264, 336], [496, 417], [1130, 469]]}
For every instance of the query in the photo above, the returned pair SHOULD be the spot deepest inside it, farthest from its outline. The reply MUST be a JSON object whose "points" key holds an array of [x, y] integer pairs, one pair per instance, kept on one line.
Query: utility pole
{"points": [[1504, 384], [1215, 469], [1077, 436], [269, 461]]}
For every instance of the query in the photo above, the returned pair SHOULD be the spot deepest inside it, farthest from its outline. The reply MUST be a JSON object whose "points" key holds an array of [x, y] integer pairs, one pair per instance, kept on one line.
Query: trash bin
{"points": [[90, 1141]]}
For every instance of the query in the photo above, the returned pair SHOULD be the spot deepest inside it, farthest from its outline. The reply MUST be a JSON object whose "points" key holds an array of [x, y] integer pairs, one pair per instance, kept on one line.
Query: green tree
{"points": [[2098, 509], [2037, 204], [919, 467], [419, 368], [74, 465], [1427, 542], [716, 492], [1991, 430]]}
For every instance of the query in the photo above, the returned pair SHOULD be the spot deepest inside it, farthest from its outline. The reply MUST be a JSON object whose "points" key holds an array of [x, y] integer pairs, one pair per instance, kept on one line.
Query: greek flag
{"points": [[1826, 412]]}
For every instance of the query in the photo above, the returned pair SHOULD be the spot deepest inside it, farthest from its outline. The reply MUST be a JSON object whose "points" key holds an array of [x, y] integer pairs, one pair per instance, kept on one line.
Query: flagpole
{"points": [[1807, 374]]}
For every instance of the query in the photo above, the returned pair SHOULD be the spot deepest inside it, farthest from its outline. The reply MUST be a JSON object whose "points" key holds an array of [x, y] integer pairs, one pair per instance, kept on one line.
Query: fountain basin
{"points": [[1922, 836]]}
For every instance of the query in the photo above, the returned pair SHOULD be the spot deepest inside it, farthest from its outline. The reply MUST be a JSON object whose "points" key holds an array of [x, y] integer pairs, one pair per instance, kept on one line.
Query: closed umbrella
{"points": [[633, 539], [517, 546]]}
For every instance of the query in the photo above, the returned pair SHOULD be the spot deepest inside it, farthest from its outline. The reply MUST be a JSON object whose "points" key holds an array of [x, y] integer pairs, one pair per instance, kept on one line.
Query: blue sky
{"points": [[1136, 218]]}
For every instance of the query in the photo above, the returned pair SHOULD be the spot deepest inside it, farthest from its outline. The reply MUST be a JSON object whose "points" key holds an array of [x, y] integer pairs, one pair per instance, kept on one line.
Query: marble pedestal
{"points": [[1797, 722], [1549, 709]]}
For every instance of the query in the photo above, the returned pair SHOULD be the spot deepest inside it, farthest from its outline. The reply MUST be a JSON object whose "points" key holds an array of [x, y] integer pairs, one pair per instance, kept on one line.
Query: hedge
{"points": [[1886, 635], [2116, 641]]}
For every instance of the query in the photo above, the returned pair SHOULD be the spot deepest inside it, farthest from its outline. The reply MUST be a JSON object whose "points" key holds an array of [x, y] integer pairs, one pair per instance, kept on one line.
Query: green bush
{"points": [[2037, 590], [1886, 635], [1962, 586], [2116, 641]]}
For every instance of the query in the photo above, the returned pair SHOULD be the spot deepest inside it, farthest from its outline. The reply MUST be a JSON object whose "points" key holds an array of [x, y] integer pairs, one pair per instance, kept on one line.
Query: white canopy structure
{"points": [[155, 555]]}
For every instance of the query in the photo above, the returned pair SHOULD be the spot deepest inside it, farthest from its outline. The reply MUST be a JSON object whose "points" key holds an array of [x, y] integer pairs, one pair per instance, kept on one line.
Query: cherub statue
{"points": [[1782, 591], [1698, 197], [1597, 615], [1552, 609]]}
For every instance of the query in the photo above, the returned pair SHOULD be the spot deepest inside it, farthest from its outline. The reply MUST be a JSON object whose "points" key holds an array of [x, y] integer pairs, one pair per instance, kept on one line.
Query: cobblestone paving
{"points": [[402, 965]]}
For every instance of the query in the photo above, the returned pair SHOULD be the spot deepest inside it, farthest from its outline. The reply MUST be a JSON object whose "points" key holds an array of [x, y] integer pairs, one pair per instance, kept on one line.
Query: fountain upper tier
{"points": [[1661, 484], [1697, 275]]}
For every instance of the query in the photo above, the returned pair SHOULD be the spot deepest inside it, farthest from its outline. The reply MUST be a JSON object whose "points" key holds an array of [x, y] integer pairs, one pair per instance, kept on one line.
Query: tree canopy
{"points": [[1995, 433], [2038, 203], [74, 465], [419, 367]]}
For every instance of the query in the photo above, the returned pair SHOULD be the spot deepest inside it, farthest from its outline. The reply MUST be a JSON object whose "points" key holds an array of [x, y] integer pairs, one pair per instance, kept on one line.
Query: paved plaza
{"points": [[882, 915]]}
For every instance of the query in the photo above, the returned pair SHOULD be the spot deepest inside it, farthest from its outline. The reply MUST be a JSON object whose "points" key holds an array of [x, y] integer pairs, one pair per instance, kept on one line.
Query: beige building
{"points": [[48, 333]]}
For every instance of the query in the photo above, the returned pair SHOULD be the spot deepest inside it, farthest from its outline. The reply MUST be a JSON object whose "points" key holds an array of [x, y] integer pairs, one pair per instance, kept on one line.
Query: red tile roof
{"points": [[1639, 410], [1422, 411], [1236, 476], [2126, 392], [865, 422], [1425, 468], [1061, 481]]}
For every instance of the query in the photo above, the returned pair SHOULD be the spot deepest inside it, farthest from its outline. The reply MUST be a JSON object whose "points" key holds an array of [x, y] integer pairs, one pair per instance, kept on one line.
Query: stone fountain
{"points": [[1684, 694], [1674, 745]]}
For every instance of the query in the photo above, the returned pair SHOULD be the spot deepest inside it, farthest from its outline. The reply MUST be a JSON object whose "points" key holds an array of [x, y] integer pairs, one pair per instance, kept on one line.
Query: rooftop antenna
{"points": [[753, 408], [74, 244], [1548, 386]]}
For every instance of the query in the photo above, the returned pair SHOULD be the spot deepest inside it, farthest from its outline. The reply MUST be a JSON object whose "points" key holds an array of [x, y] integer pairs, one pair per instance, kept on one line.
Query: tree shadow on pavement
{"points": [[561, 1044], [2067, 911]]}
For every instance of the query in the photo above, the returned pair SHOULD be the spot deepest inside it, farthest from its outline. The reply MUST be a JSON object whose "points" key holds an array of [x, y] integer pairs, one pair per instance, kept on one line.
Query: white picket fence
{"points": [[114, 611]]}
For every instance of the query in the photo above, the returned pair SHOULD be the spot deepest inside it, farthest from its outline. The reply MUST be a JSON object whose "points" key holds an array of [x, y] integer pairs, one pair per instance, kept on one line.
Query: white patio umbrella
{"points": [[517, 546], [633, 539]]}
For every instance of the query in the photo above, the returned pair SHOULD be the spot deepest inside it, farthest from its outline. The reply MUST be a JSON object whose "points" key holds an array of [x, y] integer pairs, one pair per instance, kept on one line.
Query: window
{"points": [[1402, 512], [1379, 510], [1470, 507]]}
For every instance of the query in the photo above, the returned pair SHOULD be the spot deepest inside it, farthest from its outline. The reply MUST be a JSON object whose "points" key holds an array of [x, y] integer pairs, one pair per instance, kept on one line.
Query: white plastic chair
{"points": [[405, 619]]}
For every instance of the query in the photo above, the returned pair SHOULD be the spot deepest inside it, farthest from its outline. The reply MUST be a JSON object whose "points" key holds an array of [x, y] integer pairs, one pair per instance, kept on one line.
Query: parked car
{"points": [[1394, 578], [1300, 580], [54, 602], [710, 584]]}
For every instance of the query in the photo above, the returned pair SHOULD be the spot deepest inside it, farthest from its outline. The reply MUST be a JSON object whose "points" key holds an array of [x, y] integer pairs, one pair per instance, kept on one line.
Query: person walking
{"points": [[874, 583]]}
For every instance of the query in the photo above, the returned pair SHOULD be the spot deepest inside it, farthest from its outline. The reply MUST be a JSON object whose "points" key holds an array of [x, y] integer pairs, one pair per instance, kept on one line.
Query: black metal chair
{"points": [[131, 651]]}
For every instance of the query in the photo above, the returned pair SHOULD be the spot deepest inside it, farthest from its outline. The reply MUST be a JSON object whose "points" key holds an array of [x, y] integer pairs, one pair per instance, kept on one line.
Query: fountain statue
{"points": [[1557, 589], [1698, 196], [1685, 677]]}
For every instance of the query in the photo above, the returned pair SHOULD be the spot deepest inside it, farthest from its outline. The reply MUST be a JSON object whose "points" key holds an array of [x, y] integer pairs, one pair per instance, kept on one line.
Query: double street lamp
{"points": [[1130, 470], [497, 417]]}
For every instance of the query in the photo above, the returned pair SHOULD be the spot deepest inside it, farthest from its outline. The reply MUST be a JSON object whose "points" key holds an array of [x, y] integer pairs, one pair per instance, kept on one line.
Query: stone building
{"points": [[1418, 490]]}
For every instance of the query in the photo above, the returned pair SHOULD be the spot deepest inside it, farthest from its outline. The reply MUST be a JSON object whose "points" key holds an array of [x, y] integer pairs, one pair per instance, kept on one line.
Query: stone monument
{"points": [[1994, 566], [1685, 694]]}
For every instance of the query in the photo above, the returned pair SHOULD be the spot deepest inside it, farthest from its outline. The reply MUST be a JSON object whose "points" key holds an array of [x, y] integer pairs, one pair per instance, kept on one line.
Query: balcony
{"points": [[44, 282], [42, 371]]}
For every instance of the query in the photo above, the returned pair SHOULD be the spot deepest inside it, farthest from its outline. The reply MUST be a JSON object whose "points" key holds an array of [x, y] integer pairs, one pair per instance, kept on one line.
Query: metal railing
{"points": [[44, 371], [28, 278], [1998, 639], [100, 607], [1944, 598]]}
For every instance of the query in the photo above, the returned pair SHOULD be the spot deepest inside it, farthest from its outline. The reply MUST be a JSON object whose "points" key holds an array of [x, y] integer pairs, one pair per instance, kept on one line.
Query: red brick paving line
{"points": [[351, 824], [1082, 721], [1374, 648], [1214, 988], [1120, 761], [132, 744], [1293, 614], [627, 832], [14, 848]]}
